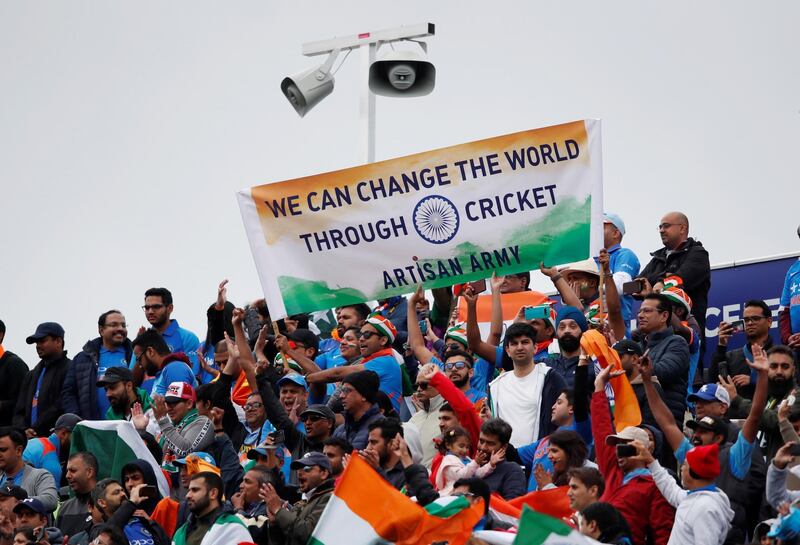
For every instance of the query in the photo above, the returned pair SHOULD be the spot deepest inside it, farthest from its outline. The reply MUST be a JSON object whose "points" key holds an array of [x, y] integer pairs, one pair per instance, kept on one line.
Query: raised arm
{"points": [[333, 375], [613, 303], [761, 365], [415, 339], [496, 329], [474, 341], [568, 295], [660, 411]]}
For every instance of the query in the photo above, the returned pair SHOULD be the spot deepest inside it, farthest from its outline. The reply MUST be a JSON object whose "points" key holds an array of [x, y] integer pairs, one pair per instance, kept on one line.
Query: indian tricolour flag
{"points": [[114, 443], [366, 510], [538, 529]]}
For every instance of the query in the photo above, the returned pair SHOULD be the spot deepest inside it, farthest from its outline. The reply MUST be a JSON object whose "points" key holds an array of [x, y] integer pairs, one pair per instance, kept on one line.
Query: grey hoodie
{"points": [[702, 517]]}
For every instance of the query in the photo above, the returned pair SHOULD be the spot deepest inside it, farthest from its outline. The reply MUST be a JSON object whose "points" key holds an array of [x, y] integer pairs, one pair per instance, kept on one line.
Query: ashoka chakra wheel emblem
{"points": [[436, 219]]}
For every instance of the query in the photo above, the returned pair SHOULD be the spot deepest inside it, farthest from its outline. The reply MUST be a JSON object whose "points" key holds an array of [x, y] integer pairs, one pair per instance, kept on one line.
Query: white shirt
{"points": [[517, 400]]}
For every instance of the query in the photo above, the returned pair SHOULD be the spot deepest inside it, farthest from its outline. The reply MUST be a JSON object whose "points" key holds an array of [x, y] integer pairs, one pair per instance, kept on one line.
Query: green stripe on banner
{"points": [[447, 507]]}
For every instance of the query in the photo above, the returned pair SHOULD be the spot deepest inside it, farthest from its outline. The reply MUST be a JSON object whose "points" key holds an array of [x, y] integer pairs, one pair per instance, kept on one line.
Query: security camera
{"points": [[307, 89], [402, 74]]}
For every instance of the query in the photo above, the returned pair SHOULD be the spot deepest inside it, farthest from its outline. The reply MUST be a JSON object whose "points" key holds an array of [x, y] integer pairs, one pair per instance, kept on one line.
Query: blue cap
{"points": [[616, 221], [572, 313], [43, 330], [206, 457], [294, 378], [31, 503], [312, 459], [711, 392]]}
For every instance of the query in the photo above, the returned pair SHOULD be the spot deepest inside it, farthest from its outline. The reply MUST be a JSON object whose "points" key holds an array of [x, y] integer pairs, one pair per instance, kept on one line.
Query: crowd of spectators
{"points": [[253, 425]]}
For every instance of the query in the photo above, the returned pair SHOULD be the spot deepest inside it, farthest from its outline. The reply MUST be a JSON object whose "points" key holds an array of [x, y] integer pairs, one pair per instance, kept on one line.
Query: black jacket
{"points": [[12, 375], [49, 396], [670, 355], [691, 263], [79, 395], [123, 515], [736, 365]]}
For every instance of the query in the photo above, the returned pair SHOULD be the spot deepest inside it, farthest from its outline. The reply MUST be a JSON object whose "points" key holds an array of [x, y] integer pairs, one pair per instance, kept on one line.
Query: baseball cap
{"points": [[294, 378], [43, 330], [627, 346], [178, 391], [312, 459], [616, 221], [114, 375], [631, 433], [709, 423], [66, 421], [206, 457], [30, 503], [14, 491], [704, 461], [322, 410], [711, 392]]}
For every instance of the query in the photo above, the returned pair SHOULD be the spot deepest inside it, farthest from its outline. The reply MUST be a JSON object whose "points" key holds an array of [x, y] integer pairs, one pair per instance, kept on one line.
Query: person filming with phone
{"points": [[755, 323]]}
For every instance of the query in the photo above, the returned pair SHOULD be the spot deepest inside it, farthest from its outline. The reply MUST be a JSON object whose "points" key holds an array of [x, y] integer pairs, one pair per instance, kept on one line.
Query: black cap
{"points": [[66, 421], [31, 503], [312, 459], [13, 491], [44, 329], [305, 336], [114, 375], [627, 346], [367, 383], [322, 410], [709, 423]]}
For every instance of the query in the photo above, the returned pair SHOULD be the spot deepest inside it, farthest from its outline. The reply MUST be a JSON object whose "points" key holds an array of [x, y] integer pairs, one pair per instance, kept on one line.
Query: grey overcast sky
{"points": [[127, 127]]}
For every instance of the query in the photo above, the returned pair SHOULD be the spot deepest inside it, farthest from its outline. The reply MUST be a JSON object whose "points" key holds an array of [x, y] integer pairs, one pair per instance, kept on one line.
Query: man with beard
{"points": [[153, 356], [122, 395], [158, 309], [735, 459], [757, 318], [524, 396], [211, 522], [780, 383], [387, 452], [294, 526], [112, 348], [506, 478], [336, 449], [82, 478], [570, 326]]}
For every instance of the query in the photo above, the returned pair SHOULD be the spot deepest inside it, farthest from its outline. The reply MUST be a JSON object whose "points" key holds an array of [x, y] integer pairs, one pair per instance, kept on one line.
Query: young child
{"points": [[457, 464]]}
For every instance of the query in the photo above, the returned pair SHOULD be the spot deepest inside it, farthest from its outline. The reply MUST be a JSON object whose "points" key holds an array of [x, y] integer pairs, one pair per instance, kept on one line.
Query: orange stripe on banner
{"points": [[393, 515], [626, 406], [553, 502], [511, 303]]}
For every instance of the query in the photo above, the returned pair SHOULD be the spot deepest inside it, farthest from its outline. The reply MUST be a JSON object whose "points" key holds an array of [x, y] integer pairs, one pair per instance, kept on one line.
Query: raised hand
{"points": [[645, 367], [470, 296], [427, 371], [498, 456], [237, 317], [138, 418], [605, 261], [549, 272], [783, 457], [496, 282], [416, 297], [604, 376], [542, 476], [728, 384], [643, 454], [222, 295], [159, 406], [261, 341], [759, 362]]}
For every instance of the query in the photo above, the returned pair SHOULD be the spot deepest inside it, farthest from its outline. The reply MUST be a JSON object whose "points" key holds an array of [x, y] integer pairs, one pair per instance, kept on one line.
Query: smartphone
{"points": [[423, 326], [479, 286], [538, 312], [626, 451], [795, 450], [278, 436], [723, 369], [148, 491], [737, 326], [635, 286]]}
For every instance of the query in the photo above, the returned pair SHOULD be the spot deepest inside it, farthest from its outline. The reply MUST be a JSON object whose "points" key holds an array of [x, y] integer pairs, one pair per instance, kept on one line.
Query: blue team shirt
{"points": [[174, 371], [391, 377], [108, 359], [183, 340], [739, 455], [482, 367], [35, 455], [790, 297]]}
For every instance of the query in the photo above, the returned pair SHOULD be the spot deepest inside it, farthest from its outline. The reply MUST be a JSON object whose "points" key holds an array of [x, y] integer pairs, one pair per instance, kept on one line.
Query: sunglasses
{"points": [[307, 469], [455, 365], [311, 418], [422, 385], [366, 334]]}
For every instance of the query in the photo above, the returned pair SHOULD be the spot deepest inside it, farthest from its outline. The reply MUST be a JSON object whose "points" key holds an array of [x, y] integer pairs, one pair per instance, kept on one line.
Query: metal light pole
{"points": [[368, 44]]}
